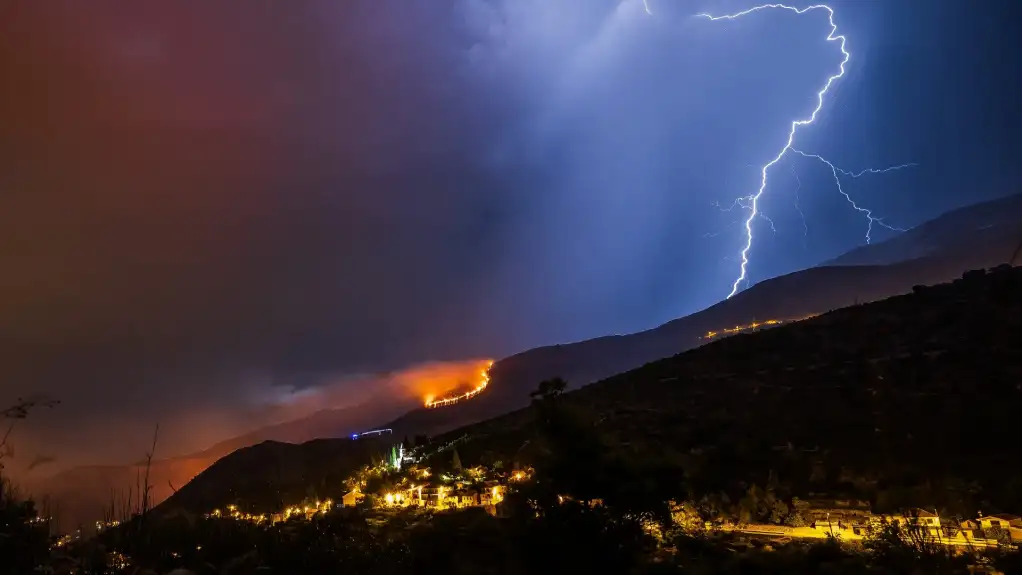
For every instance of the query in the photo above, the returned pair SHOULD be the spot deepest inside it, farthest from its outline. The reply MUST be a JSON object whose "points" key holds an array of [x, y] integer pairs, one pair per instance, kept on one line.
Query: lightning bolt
{"points": [[738, 203], [754, 198], [798, 207], [752, 201], [837, 180], [717, 233]]}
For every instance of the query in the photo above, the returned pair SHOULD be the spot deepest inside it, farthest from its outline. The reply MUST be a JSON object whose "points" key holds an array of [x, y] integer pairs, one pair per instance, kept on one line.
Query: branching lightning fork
{"points": [[837, 180], [798, 208], [751, 202]]}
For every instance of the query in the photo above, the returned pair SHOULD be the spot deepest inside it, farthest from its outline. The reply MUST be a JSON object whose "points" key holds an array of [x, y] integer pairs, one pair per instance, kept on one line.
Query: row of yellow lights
{"points": [[484, 377], [392, 498], [753, 325], [233, 513], [323, 506]]}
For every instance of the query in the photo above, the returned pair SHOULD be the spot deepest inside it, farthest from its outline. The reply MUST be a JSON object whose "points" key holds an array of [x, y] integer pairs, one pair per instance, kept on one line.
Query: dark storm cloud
{"points": [[200, 201], [202, 205]]}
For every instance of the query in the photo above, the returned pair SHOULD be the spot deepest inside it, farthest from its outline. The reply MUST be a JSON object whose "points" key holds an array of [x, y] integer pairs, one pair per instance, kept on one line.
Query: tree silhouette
{"points": [[23, 539], [548, 389], [17, 411]]}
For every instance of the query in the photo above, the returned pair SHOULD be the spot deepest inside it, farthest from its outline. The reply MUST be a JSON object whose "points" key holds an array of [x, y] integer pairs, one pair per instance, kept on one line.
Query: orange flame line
{"points": [[484, 377]]}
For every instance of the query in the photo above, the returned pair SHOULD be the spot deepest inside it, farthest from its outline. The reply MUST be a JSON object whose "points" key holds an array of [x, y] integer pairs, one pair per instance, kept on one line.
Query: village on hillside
{"points": [[402, 482]]}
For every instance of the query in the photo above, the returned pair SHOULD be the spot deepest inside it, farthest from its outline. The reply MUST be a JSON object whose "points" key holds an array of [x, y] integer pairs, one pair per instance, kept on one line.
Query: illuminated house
{"points": [[350, 498], [1010, 523], [492, 494], [925, 521], [1002, 520], [462, 498], [845, 511], [435, 497], [925, 518]]}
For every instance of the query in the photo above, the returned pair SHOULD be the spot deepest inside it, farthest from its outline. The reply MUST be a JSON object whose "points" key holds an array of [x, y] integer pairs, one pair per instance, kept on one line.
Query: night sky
{"points": [[208, 205]]}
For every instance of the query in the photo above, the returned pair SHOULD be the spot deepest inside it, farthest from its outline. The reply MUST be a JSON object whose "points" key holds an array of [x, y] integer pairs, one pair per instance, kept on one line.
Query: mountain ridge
{"points": [[838, 283], [839, 405]]}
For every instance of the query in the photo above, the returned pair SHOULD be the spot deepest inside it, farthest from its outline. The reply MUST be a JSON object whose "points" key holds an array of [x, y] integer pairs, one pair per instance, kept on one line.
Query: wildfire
{"points": [[753, 325], [484, 380]]}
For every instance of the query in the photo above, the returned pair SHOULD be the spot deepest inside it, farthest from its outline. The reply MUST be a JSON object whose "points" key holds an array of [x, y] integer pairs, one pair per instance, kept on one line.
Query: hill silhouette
{"points": [[945, 243], [979, 236], [907, 401], [980, 227], [80, 495], [267, 476]]}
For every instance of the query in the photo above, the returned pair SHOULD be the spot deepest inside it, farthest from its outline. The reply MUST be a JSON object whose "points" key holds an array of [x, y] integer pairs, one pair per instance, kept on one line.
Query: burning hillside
{"points": [[451, 399]]}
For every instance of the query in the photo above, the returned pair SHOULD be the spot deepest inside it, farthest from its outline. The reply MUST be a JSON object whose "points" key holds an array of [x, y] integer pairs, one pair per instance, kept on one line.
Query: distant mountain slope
{"points": [[81, 494], [979, 226], [979, 236], [907, 401], [976, 237], [266, 476]]}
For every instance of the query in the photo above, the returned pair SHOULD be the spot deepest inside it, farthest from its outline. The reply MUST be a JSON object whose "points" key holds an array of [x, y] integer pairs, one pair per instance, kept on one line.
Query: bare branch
{"points": [[146, 500], [19, 410]]}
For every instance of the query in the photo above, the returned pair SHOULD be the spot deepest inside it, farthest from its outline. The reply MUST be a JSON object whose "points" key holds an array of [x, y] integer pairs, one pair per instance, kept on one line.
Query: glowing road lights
{"points": [[753, 326], [751, 202]]}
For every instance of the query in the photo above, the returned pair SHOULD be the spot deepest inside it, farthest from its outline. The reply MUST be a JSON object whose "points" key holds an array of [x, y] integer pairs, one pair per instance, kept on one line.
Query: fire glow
{"points": [[484, 380]]}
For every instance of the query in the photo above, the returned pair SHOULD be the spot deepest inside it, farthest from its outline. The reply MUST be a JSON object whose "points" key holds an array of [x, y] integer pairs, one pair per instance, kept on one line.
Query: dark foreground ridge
{"points": [[979, 236], [889, 425], [910, 401]]}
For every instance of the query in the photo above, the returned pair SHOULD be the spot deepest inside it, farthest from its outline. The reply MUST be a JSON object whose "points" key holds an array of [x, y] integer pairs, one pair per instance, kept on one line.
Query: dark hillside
{"points": [[82, 493], [962, 231], [799, 294], [979, 236], [913, 400], [267, 476]]}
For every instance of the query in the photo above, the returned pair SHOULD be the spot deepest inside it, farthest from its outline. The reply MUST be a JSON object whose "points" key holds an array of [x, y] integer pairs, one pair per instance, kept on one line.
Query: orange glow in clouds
{"points": [[481, 383]]}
